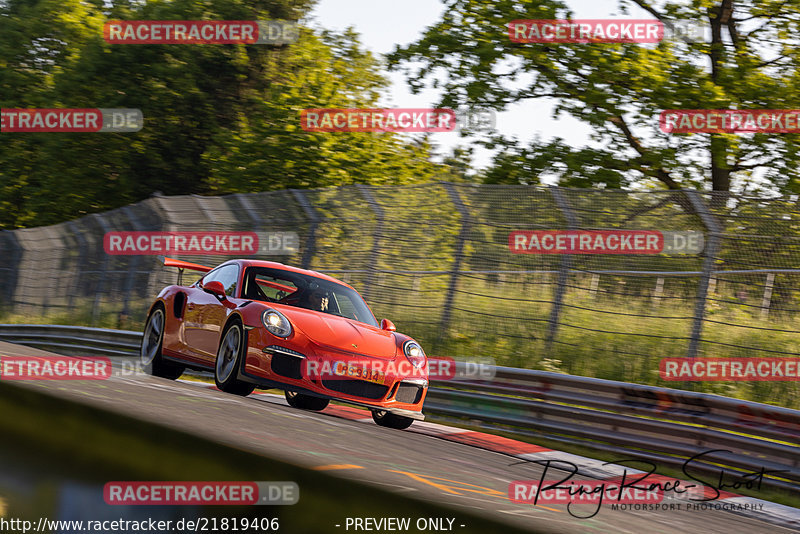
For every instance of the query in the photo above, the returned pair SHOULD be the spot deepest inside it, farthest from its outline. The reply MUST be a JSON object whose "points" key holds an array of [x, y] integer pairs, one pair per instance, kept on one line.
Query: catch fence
{"points": [[443, 262]]}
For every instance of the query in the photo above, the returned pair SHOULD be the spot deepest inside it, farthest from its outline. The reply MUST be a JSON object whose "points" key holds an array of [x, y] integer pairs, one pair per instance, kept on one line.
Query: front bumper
{"points": [[280, 367]]}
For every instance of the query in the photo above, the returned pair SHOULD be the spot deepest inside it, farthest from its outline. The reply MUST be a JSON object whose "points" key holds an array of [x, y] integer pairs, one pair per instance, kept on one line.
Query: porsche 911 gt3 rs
{"points": [[264, 324]]}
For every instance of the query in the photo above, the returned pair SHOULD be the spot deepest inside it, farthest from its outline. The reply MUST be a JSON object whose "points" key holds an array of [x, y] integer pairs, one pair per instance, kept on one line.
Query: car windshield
{"points": [[304, 291]]}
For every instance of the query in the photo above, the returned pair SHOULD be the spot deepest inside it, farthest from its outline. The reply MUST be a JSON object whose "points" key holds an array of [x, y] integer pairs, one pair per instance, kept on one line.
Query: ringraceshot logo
{"points": [[201, 493], [731, 369], [604, 242], [71, 120], [641, 490], [275, 32], [54, 368], [193, 243], [730, 121]]}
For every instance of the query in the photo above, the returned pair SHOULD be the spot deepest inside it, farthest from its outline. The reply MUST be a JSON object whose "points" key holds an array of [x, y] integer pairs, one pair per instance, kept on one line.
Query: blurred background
{"points": [[419, 223]]}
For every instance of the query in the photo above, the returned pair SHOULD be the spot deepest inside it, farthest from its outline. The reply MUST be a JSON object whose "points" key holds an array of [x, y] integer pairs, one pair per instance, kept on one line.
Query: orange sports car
{"points": [[268, 325]]}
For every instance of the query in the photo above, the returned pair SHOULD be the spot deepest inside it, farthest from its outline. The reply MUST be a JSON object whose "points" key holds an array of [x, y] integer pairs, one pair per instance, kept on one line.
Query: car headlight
{"points": [[414, 354], [276, 323]]}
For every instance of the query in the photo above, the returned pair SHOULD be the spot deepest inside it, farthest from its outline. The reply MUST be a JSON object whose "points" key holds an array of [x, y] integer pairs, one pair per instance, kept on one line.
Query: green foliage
{"points": [[268, 150], [750, 62], [218, 118]]}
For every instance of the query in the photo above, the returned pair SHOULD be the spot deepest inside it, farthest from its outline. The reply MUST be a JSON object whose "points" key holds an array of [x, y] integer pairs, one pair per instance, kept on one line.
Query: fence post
{"points": [[103, 270], [83, 252], [123, 321], [376, 239], [12, 256], [244, 200], [712, 248], [563, 269], [257, 224], [767, 299], [658, 291], [314, 219], [458, 254], [594, 284]]}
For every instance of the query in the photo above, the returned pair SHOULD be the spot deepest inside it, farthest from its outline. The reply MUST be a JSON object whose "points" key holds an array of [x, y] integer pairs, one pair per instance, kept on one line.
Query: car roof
{"points": [[283, 267]]}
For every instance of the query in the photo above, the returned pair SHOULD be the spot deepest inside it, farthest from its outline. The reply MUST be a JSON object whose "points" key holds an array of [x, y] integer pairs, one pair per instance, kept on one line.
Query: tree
{"points": [[749, 62], [269, 150], [218, 118]]}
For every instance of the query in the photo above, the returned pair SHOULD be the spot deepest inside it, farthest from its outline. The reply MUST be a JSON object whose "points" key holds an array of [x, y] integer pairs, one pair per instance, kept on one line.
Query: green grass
{"points": [[591, 350]]}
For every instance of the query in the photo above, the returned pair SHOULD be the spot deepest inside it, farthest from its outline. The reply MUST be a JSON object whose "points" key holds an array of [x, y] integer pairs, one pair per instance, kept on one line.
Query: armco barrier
{"points": [[73, 340], [661, 425]]}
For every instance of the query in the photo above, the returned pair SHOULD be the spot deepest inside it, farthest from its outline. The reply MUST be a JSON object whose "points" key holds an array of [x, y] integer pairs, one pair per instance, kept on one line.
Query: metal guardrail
{"points": [[660, 425], [73, 340]]}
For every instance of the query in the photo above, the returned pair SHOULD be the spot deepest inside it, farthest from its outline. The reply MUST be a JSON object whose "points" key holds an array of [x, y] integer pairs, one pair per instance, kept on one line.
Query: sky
{"points": [[384, 24]]}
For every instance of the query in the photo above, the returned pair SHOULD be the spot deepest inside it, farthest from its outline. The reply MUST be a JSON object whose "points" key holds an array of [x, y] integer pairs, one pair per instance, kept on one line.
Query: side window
{"points": [[346, 307], [272, 287], [228, 275]]}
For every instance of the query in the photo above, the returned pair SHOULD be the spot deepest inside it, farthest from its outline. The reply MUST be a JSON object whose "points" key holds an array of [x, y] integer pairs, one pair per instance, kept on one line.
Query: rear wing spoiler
{"points": [[181, 265]]}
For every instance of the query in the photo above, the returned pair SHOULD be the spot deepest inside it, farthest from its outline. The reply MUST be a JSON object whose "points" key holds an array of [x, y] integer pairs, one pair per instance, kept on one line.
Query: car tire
{"points": [[390, 420], [229, 357], [306, 402], [152, 342]]}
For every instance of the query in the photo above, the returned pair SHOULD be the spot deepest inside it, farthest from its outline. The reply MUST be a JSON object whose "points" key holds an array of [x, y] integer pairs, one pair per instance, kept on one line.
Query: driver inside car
{"points": [[315, 299]]}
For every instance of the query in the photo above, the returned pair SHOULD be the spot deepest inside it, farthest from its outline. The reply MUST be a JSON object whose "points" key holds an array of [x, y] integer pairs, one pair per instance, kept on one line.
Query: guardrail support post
{"points": [[563, 270], [710, 254]]}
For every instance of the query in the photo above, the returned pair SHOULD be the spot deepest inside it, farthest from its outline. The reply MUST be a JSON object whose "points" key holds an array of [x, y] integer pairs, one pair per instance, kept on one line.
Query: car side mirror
{"points": [[386, 324], [215, 288]]}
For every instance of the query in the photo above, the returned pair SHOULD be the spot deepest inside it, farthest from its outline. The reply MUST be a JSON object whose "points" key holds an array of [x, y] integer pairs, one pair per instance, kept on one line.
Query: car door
{"points": [[206, 313]]}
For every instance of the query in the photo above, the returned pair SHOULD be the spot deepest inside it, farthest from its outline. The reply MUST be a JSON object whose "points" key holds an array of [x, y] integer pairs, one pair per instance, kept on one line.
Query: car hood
{"points": [[341, 333]]}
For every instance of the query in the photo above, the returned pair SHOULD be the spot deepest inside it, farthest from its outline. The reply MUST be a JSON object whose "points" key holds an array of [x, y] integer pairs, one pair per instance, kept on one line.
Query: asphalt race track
{"points": [[414, 462]]}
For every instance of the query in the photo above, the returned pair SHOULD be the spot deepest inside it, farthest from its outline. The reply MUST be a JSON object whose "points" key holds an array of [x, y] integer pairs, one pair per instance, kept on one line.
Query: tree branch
{"points": [[634, 142]]}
